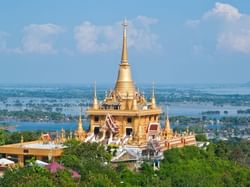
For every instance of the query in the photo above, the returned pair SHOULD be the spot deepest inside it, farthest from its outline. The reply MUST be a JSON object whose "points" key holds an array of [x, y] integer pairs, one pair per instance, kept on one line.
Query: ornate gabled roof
{"points": [[125, 156]]}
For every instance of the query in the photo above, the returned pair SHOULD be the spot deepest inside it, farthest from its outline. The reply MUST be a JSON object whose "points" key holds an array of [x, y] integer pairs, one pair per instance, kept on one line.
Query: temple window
{"points": [[96, 130], [129, 131], [129, 119], [96, 118]]}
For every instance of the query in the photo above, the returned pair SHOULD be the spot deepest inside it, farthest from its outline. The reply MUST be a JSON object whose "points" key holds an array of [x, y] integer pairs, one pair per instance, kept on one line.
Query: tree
{"points": [[201, 137], [27, 176], [89, 159]]}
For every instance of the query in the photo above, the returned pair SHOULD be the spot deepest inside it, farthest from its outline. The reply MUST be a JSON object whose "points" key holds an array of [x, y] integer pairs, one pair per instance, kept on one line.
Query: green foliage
{"points": [[201, 137], [221, 164], [189, 166], [27, 177], [36, 176], [90, 159], [63, 178], [98, 179], [2, 137], [84, 153], [235, 150], [7, 137], [192, 166]]}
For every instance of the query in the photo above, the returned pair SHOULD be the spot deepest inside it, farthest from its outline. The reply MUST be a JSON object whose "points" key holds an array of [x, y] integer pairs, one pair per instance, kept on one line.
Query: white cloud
{"points": [[239, 42], [91, 38], [38, 38], [231, 27], [225, 11]]}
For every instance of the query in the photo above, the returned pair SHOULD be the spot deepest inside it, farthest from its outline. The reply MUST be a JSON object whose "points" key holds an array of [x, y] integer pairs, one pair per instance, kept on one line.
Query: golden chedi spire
{"points": [[80, 133], [153, 102], [79, 126], [124, 83], [167, 130], [167, 124], [95, 101], [124, 58], [62, 135]]}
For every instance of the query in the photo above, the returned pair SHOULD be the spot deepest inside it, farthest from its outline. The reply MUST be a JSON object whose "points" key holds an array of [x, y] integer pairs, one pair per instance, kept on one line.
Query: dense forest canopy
{"points": [[220, 164]]}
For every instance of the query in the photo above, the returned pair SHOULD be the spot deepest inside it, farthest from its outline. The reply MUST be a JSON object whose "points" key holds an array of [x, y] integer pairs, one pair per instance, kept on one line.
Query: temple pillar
{"points": [[124, 124], [91, 124], [20, 160]]}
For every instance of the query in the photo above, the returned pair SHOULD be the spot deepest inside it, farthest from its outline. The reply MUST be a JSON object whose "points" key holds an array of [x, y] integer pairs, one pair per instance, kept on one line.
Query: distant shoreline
{"points": [[7, 126]]}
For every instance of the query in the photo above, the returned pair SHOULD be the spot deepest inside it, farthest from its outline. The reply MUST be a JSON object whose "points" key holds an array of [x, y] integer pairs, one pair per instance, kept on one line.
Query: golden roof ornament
{"points": [[124, 58], [167, 124], [134, 106], [62, 135], [153, 102], [168, 132], [124, 83], [80, 133], [95, 101], [80, 129]]}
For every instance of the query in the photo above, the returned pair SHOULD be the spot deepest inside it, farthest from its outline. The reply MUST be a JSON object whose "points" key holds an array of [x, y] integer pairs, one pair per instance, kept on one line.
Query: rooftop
{"points": [[50, 145]]}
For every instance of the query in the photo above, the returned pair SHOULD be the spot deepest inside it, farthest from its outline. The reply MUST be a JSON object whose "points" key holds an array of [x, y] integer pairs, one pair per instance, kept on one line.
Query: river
{"points": [[44, 126]]}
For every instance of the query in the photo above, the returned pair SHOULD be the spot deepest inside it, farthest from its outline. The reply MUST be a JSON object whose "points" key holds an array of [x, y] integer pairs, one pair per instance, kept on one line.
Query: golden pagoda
{"points": [[124, 111], [125, 117], [80, 133], [167, 131], [62, 138]]}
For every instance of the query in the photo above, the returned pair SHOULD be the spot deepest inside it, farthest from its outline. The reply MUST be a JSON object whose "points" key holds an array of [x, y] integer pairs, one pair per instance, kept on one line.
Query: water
{"points": [[72, 108], [196, 109], [45, 126], [227, 90]]}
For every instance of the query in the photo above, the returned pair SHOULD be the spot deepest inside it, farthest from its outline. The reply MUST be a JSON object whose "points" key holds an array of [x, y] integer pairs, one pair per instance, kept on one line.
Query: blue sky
{"points": [[195, 41]]}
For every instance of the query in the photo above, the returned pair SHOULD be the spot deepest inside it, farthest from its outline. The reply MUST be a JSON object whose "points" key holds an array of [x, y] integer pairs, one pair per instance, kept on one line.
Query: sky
{"points": [[169, 42]]}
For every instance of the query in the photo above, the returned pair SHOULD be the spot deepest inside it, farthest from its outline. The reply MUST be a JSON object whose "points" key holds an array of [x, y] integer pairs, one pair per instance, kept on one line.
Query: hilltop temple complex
{"points": [[124, 119]]}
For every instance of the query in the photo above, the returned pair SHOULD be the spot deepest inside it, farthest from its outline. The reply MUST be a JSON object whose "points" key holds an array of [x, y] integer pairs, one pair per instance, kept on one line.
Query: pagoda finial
{"points": [[167, 130], [153, 89], [167, 124], [80, 115], [95, 89], [153, 102], [95, 101], [124, 81], [124, 59], [80, 133], [62, 134], [79, 128]]}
